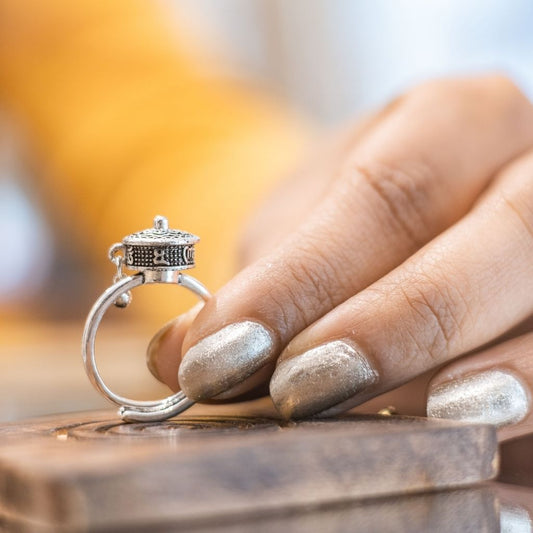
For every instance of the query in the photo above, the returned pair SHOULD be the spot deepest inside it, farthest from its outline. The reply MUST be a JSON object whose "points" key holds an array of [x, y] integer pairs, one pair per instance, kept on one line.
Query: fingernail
{"points": [[224, 359], [320, 378], [491, 397], [153, 350], [515, 519]]}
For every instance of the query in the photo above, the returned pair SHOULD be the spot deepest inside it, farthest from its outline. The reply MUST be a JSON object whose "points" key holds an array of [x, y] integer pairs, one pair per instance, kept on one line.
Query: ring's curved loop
{"points": [[134, 410]]}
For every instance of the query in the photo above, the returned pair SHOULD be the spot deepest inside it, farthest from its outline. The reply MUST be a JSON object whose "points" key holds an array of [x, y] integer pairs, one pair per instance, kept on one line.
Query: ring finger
{"points": [[492, 387]]}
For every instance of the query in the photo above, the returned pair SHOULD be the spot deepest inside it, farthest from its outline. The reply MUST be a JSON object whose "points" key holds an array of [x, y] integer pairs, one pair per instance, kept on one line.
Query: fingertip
{"points": [[224, 361], [159, 347], [494, 396], [163, 355]]}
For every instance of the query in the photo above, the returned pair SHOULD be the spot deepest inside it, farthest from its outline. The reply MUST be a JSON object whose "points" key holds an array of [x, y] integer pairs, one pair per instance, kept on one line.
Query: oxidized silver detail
{"points": [[158, 248], [160, 257], [159, 254]]}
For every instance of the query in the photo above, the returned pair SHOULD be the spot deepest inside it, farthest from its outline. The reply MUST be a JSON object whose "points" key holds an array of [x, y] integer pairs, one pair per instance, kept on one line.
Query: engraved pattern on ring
{"points": [[160, 256]]}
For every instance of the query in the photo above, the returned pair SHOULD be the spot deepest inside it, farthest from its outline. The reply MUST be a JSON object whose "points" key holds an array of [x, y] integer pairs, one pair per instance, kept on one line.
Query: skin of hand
{"points": [[398, 260]]}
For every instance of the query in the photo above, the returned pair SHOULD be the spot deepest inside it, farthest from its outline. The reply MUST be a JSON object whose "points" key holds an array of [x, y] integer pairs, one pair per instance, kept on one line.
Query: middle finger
{"points": [[465, 288]]}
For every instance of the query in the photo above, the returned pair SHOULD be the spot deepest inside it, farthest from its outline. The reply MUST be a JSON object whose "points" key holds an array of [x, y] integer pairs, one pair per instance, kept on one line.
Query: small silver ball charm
{"points": [[123, 300]]}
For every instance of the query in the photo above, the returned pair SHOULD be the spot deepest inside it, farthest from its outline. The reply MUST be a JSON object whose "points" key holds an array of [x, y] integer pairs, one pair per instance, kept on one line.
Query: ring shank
{"points": [[134, 410]]}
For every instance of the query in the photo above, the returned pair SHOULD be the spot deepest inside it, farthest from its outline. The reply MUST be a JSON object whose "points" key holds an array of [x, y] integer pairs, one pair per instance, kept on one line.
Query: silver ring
{"points": [[159, 254]]}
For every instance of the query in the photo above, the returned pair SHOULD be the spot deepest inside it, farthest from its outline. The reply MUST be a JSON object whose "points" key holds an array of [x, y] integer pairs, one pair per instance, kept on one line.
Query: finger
{"points": [[410, 398], [163, 354], [416, 173], [466, 287], [288, 206], [164, 350], [491, 387]]}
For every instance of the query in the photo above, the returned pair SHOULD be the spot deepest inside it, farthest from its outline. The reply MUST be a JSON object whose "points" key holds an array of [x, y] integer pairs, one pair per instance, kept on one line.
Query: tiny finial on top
{"points": [[160, 222]]}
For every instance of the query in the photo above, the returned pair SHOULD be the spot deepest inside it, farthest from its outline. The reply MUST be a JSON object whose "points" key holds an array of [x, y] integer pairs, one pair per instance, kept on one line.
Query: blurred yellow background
{"points": [[122, 124]]}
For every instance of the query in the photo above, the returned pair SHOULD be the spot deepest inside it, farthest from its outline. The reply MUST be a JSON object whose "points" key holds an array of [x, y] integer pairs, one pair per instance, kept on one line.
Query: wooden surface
{"points": [[90, 472]]}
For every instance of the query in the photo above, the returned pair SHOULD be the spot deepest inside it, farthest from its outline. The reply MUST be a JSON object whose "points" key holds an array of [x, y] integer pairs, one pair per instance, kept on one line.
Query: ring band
{"points": [[178, 255]]}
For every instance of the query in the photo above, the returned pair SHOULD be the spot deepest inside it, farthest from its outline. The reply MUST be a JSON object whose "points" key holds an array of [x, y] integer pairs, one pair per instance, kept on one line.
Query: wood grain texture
{"points": [[90, 472]]}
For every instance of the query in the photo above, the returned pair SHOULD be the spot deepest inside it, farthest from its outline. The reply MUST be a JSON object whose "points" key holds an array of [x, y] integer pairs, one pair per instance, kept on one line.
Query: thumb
{"points": [[163, 354]]}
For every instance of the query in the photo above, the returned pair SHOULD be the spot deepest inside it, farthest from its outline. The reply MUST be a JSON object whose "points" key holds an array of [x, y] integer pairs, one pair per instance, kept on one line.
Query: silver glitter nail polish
{"points": [[320, 378], [224, 359], [515, 519], [491, 397]]}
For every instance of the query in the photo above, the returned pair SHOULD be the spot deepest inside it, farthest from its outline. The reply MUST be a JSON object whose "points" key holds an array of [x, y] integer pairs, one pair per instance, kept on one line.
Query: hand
{"points": [[411, 249]]}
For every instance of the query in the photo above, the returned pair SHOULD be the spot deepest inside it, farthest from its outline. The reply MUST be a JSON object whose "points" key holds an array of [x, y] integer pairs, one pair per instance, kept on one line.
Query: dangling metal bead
{"points": [[123, 300]]}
